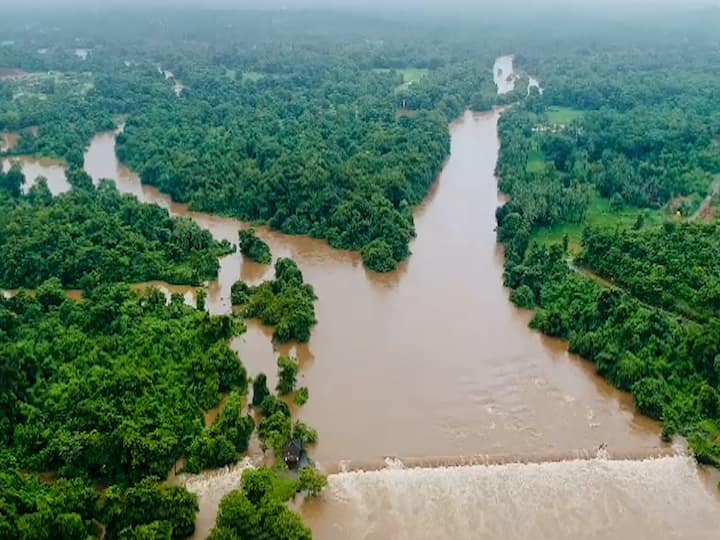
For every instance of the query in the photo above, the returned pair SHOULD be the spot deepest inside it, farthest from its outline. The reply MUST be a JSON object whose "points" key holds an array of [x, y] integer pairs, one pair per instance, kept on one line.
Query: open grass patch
{"points": [[252, 76], [413, 74], [410, 76], [598, 214], [536, 161], [563, 115], [40, 86]]}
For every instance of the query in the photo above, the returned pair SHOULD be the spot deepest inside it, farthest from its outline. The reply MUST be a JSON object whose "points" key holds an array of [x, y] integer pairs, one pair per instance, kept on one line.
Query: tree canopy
{"points": [[332, 126], [111, 389], [98, 235]]}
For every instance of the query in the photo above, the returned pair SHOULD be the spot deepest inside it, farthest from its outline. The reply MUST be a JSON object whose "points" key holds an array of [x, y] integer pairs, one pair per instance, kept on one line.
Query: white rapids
{"points": [[662, 498]]}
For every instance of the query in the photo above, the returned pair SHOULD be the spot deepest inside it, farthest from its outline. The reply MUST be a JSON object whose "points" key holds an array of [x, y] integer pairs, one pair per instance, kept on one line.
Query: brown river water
{"points": [[440, 414]]}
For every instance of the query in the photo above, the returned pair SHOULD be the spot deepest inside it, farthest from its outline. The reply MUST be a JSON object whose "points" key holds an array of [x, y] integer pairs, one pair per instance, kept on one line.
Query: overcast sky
{"points": [[488, 10], [474, 5]]}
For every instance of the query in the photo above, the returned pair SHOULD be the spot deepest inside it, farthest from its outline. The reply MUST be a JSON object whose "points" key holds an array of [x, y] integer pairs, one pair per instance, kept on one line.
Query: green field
{"points": [[536, 161], [598, 215], [41, 85], [252, 76], [413, 74], [563, 115], [408, 75]]}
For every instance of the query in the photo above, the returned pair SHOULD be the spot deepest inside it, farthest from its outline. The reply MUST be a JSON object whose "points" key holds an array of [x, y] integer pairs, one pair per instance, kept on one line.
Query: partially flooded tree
{"points": [[253, 247], [12, 181], [260, 389], [287, 375]]}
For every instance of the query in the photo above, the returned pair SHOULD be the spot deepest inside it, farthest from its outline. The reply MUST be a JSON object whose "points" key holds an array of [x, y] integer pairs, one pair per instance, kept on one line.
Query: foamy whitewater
{"points": [[654, 499]]}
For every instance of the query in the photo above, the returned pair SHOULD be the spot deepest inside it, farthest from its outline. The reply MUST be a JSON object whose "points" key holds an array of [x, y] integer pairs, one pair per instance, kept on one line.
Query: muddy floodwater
{"points": [[8, 141], [432, 367], [51, 169], [431, 360]]}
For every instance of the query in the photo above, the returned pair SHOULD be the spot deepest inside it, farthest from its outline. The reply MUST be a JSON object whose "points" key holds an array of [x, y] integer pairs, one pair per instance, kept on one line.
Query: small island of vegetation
{"points": [[254, 248], [287, 302]]}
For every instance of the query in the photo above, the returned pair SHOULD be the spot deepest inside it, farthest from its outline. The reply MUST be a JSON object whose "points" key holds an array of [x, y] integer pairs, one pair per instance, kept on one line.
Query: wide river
{"points": [[432, 367]]}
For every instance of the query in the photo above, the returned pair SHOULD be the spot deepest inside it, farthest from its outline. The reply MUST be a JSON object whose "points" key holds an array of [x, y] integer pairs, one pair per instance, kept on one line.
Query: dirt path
{"points": [[607, 284], [705, 209]]}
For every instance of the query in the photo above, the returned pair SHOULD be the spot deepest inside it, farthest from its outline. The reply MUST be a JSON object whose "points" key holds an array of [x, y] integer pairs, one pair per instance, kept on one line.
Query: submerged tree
{"points": [[259, 509], [12, 181]]}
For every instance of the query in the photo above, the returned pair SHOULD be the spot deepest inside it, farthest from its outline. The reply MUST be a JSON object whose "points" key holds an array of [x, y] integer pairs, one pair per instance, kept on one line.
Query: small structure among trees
{"points": [[293, 453]]}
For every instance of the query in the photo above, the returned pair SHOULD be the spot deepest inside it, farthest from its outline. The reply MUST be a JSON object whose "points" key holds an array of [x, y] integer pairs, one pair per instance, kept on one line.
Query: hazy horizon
{"points": [[474, 6]]}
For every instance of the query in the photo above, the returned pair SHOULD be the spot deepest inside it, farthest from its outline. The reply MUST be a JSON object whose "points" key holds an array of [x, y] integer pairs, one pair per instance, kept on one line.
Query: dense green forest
{"points": [[259, 509], [607, 172], [96, 235], [675, 267], [225, 440], [303, 152], [108, 390]]}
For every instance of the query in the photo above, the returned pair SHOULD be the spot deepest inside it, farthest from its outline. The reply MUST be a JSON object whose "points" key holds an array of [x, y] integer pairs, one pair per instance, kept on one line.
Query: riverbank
{"points": [[652, 331]]}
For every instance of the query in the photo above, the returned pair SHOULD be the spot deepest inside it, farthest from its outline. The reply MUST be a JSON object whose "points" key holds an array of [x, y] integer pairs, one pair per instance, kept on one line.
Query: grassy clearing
{"points": [[39, 86], [410, 75], [252, 76], [536, 161], [598, 215], [563, 115]]}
